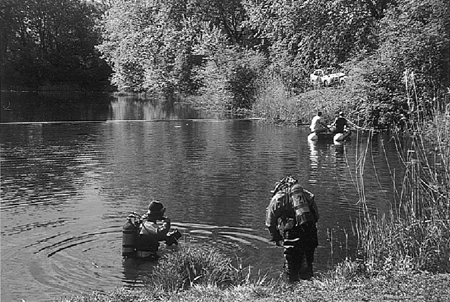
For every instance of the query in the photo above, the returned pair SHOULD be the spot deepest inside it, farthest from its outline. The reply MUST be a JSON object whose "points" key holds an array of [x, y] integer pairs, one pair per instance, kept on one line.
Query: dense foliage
{"points": [[224, 49], [393, 51], [182, 46], [49, 42], [409, 72]]}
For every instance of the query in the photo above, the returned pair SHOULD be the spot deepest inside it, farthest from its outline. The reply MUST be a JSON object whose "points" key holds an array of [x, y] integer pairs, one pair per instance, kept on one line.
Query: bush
{"points": [[276, 103], [191, 266], [229, 77]]}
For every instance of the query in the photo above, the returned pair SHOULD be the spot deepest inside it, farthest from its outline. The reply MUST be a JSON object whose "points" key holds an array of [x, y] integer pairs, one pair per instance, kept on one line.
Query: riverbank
{"points": [[412, 286], [194, 274]]}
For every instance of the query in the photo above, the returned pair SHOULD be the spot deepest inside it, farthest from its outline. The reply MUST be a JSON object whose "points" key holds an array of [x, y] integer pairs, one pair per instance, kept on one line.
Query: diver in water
{"points": [[154, 228], [291, 218]]}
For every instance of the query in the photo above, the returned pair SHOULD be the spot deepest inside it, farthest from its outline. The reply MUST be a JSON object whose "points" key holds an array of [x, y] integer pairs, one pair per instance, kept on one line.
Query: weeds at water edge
{"points": [[415, 235]]}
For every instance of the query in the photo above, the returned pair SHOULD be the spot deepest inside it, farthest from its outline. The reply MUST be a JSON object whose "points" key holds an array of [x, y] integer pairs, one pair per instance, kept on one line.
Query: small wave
{"points": [[73, 241]]}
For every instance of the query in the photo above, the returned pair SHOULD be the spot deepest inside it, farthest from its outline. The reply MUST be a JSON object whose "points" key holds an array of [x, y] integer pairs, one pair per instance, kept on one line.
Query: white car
{"points": [[326, 78]]}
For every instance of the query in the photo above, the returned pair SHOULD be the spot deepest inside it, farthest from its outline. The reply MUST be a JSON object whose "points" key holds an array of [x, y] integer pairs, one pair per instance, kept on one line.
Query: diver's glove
{"points": [[277, 238], [172, 237]]}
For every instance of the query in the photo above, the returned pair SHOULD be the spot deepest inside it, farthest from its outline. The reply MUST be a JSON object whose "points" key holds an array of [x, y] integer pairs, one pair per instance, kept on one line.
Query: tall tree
{"points": [[143, 40], [50, 41], [416, 37], [410, 71], [150, 43], [304, 34]]}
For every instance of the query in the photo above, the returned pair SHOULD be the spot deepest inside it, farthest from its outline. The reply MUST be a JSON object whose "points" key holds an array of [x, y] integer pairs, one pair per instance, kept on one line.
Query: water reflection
{"points": [[134, 108], [53, 107], [339, 148], [19, 107]]}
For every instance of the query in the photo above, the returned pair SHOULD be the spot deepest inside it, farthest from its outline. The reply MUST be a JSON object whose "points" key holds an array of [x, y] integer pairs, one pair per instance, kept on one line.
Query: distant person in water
{"points": [[341, 124], [317, 125]]}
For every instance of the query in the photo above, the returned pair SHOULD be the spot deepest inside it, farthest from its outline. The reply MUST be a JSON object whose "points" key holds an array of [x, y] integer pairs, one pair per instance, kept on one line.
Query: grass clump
{"points": [[192, 266]]}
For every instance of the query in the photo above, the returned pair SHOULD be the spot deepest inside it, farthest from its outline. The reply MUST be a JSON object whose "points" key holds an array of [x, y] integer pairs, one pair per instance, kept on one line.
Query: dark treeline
{"points": [[51, 43], [396, 52]]}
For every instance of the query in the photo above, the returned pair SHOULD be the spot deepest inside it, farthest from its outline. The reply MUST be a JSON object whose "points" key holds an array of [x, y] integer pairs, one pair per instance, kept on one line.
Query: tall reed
{"points": [[415, 235]]}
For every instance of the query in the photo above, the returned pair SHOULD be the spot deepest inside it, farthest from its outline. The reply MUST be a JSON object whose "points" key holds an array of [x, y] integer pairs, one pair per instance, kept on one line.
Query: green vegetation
{"points": [[416, 234], [237, 55], [421, 287], [214, 279], [191, 266], [258, 54], [276, 104]]}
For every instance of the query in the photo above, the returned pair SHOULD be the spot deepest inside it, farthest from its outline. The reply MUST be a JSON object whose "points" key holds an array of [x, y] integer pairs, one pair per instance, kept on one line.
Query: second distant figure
{"points": [[317, 125]]}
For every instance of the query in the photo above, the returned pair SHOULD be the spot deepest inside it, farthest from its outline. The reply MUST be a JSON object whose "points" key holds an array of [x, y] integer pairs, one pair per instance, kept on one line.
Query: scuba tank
{"points": [[300, 206], [129, 238]]}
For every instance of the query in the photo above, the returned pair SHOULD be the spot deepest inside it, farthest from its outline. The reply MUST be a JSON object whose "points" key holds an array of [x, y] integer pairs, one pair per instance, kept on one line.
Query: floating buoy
{"points": [[313, 137], [338, 137]]}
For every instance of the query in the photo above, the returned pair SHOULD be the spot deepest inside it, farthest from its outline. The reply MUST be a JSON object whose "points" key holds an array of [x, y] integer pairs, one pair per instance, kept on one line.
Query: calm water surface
{"points": [[72, 171]]}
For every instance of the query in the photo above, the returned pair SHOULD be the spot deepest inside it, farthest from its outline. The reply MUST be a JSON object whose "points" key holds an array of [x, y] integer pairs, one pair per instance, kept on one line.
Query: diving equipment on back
{"points": [[141, 234]]}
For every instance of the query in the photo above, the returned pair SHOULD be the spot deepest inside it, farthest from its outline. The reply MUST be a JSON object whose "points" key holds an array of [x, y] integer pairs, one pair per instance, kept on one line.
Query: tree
{"points": [[230, 72], [302, 35], [48, 41], [410, 71], [150, 44], [147, 44], [416, 36]]}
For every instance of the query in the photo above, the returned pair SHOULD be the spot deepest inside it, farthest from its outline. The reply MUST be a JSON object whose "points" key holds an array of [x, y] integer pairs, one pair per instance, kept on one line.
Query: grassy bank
{"points": [[276, 103], [213, 279], [409, 287]]}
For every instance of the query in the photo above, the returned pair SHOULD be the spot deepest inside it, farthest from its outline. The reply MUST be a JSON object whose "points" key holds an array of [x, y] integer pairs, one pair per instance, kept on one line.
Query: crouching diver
{"points": [[291, 219], [154, 228]]}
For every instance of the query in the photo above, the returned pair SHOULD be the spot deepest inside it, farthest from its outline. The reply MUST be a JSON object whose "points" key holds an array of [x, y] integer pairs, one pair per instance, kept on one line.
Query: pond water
{"points": [[73, 168]]}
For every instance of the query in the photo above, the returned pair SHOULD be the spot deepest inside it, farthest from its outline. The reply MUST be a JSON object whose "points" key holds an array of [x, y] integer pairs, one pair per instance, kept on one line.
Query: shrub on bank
{"points": [[276, 103], [192, 265]]}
